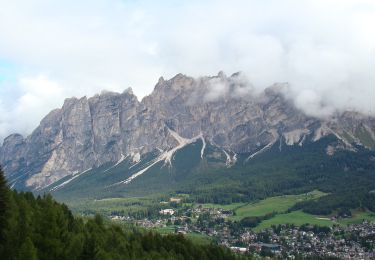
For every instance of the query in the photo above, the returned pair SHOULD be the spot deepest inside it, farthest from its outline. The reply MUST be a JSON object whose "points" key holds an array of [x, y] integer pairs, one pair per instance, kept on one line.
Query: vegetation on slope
{"points": [[279, 204], [40, 228], [346, 177]]}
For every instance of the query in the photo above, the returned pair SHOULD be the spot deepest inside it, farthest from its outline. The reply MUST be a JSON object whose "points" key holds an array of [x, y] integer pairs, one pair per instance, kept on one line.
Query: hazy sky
{"points": [[50, 50]]}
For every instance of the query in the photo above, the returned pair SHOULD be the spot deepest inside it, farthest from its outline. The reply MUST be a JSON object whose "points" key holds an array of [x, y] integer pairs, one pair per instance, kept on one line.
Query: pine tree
{"points": [[4, 204], [28, 250]]}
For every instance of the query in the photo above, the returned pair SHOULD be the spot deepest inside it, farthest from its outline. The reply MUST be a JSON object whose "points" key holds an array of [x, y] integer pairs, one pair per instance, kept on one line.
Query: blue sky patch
{"points": [[7, 70]]}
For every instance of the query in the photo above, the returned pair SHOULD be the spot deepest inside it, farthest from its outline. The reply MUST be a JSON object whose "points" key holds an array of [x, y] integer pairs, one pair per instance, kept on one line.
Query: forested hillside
{"points": [[41, 228], [346, 177]]}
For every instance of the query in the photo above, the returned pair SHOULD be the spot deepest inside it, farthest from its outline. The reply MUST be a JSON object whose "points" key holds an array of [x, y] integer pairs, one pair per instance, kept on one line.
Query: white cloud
{"points": [[39, 96], [324, 49]]}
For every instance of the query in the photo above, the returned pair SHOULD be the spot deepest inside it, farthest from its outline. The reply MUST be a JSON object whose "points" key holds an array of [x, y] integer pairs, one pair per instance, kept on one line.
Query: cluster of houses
{"points": [[353, 241], [215, 213], [356, 241]]}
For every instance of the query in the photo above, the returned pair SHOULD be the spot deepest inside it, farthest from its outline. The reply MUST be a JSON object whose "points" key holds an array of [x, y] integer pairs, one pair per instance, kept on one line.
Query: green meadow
{"points": [[297, 218], [277, 204], [197, 238], [357, 217]]}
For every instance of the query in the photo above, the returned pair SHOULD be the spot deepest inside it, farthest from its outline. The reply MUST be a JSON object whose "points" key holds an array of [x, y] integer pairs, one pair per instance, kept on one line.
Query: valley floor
{"points": [[244, 226]]}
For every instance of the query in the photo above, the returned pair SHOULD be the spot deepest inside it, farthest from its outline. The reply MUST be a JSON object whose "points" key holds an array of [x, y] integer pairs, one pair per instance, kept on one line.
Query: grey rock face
{"points": [[86, 133], [12, 153]]}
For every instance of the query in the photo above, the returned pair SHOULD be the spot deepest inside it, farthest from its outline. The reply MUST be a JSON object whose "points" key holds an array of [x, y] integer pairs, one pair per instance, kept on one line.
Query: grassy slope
{"points": [[277, 204], [281, 204], [232, 206], [357, 217], [200, 239], [296, 217]]}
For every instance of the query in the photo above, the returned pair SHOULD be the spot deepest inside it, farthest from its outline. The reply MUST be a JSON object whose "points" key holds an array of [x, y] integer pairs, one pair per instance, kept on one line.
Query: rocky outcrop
{"points": [[89, 132]]}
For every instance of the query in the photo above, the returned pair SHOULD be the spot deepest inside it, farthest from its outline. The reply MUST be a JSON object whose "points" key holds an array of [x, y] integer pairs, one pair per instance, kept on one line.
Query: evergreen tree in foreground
{"points": [[4, 204], [41, 228]]}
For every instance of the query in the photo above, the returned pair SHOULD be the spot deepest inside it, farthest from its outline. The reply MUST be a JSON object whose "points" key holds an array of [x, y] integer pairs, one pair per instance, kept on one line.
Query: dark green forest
{"points": [[40, 228], [347, 177]]}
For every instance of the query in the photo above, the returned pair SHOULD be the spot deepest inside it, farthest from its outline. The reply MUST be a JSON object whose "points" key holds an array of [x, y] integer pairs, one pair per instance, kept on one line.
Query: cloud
{"points": [[324, 49], [236, 86], [39, 96]]}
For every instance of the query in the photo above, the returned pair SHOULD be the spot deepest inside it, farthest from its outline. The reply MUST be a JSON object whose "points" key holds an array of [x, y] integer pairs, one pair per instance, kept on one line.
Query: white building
{"points": [[166, 211]]}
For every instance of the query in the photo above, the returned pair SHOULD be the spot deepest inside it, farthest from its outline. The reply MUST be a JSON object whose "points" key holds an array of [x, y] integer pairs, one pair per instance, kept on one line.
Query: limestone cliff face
{"points": [[12, 153], [89, 132]]}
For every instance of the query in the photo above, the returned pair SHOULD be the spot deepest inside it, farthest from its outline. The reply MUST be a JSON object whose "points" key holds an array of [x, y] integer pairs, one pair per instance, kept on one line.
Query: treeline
{"points": [[339, 201], [252, 222], [41, 228]]}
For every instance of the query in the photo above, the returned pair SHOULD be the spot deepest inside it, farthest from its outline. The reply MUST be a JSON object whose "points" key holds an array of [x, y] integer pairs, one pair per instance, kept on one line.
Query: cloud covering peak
{"points": [[51, 50]]}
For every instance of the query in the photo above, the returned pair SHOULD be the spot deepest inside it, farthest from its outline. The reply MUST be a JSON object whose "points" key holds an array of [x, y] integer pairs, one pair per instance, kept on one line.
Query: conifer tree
{"points": [[4, 203], [28, 250]]}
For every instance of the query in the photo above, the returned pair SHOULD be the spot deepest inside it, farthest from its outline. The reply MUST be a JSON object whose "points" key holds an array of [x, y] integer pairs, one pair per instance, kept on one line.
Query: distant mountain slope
{"points": [[348, 177], [88, 133]]}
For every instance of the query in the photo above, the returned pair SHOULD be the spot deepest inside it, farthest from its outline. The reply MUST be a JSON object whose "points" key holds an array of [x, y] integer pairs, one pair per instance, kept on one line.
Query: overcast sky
{"points": [[50, 50]]}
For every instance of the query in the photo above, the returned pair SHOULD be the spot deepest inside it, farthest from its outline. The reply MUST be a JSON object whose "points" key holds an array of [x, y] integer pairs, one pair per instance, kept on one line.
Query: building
{"points": [[166, 212]]}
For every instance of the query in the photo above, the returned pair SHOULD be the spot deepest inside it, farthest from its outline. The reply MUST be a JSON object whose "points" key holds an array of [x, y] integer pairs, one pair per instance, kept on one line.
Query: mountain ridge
{"points": [[225, 111]]}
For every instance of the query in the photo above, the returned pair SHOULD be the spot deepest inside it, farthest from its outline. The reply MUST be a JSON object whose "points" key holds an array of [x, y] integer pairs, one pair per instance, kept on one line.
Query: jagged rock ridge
{"points": [[89, 132]]}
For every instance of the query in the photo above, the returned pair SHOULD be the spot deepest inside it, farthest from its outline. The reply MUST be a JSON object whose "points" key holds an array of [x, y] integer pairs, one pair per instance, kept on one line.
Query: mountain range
{"points": [[210, 124]]}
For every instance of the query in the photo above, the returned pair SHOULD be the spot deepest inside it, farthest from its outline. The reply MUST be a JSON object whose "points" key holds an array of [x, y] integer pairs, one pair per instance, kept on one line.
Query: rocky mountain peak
{"points": [[13, 139], [221, 75], [277, 89], [128, 91], [178, 83], [160, 81], [69, 101], [89, 132]]}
